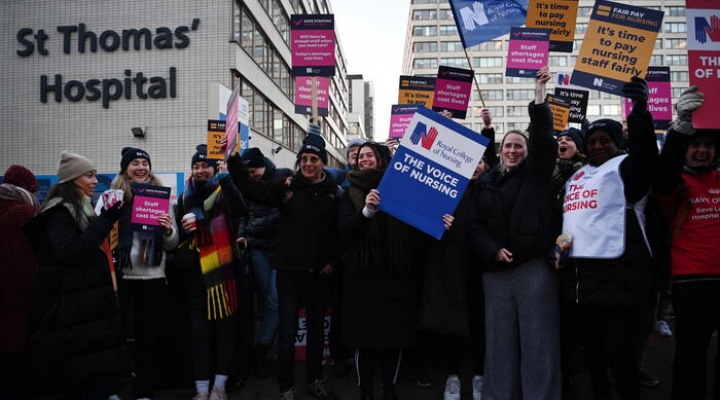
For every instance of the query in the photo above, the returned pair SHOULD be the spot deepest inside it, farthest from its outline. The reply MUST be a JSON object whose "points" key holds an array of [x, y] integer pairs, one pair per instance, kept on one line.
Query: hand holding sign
{"points": [[542, 78], [637, 91], [372, 200], [486, 118], [690, 100]]}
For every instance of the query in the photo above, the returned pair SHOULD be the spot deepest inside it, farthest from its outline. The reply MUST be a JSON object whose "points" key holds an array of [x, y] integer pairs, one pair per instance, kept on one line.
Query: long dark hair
{"points": [[69, 193]]}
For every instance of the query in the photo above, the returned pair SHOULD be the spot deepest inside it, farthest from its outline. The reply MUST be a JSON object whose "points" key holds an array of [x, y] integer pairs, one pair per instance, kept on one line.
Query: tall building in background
{"points": [[361, 101], [87, 76], [432, 40]]}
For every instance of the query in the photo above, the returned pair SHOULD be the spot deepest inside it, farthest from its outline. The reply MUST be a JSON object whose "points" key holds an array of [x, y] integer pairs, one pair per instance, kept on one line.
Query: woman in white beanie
{"points": [[75, 328]]}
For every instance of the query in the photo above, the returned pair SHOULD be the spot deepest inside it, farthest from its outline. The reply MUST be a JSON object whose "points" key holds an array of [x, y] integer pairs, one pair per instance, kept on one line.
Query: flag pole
{"points": [[477, 85]]}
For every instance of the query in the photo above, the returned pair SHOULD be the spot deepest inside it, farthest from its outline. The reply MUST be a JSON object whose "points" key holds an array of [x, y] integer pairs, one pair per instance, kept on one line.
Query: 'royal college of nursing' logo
{"points": [[422, 135]]}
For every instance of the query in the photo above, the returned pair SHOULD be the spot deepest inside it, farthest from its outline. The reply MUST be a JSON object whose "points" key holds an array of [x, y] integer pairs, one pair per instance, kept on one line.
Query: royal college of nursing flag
{"points": [[481, 20]]}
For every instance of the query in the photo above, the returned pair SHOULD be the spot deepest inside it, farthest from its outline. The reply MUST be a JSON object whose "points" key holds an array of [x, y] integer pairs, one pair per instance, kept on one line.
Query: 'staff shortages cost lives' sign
{"points": [[430, 171]]}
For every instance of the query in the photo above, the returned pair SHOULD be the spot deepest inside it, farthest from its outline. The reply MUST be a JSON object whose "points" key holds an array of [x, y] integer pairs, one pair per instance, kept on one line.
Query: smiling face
{"points": [[700, 152], [311, 166], [566, 147], [513, 151], [138, 170], [600, 147], [367, 159], [201, 171], [86, 183]]}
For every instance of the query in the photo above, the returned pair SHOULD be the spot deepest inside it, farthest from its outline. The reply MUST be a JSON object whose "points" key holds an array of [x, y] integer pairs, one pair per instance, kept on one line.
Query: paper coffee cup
{"points": [[190, 218], [112, 196]]}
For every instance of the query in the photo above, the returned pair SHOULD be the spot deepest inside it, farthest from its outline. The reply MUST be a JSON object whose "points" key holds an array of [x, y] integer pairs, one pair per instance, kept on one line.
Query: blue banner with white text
{"points": [[481, 20]]}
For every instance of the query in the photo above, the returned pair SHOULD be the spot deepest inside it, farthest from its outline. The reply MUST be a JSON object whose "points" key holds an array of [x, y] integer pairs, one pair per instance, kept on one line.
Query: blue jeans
{"points": [[265, 278], [315, 291]]}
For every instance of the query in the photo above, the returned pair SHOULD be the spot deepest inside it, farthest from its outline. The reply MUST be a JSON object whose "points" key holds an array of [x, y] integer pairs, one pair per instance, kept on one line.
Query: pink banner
{"points": [[527, 51], [312, 40], [400, 117], [452, 91], [660, 99]]}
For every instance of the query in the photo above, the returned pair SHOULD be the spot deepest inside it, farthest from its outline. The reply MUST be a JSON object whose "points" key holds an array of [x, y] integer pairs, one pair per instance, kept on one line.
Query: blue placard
{"points": [[481, 20], [430, 171]]}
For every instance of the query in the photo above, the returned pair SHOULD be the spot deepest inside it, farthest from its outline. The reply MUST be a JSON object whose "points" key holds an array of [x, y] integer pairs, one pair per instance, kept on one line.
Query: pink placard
{"points": [[149, 202], [527, 51], [400, 117], [660, 99], [452, 91], [312, 40], [303, 95]]}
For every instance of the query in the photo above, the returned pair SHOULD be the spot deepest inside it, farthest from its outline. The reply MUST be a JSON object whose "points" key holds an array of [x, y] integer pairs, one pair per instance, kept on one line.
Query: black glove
{"points": [[113, 213], [637, 91]]}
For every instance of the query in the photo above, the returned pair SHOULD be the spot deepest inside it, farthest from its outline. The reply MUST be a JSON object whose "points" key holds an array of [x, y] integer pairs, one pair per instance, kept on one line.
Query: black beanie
{"points": [[314, 144], [131, 153], [201, 155], [613, 128], [576, 135], [253, 158]]}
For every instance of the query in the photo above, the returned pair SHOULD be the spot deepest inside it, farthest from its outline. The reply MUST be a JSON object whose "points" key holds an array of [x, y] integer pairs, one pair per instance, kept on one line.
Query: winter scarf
{"points": [[16, 193], [214, 241], [384, 248]]}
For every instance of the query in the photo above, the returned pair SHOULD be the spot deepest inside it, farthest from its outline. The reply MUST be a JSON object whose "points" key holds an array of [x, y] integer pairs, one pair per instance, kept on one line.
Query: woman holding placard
{"points": [[141, 259]]}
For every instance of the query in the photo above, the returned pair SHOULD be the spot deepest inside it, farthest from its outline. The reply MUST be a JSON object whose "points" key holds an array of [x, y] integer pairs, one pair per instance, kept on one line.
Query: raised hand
{"points": [[637, 90], [486, 117]]}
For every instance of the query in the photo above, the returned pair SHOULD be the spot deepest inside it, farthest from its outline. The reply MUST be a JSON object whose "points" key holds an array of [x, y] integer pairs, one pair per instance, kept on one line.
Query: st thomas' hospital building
{"points": [[81, 74]]}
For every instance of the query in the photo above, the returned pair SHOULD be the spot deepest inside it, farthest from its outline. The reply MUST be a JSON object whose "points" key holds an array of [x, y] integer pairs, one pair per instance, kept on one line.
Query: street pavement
{"points": [[658, 364]]}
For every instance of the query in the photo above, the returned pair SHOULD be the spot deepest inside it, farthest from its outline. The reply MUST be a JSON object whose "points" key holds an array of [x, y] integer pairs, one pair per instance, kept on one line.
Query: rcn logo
{"points": [[423, 136], [563, 79], [598, 82], [705, 29], [471, 17]]}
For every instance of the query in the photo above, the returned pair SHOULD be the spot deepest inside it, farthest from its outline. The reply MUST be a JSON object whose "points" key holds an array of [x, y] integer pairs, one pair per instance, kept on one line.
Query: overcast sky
{"points": [[372, 35]]}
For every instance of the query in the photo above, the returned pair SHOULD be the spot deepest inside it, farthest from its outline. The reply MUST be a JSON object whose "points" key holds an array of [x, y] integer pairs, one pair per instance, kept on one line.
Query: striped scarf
{"points": [[216, 259]]}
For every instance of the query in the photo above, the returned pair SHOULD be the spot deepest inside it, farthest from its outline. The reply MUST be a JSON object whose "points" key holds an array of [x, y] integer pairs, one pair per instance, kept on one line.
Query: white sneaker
{"points": [[477, 383], [663, 329], [452, 388]]}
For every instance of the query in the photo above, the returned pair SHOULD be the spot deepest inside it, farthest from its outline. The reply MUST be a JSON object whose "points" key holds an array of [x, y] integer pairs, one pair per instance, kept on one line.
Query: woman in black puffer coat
{"points": [[75, 327]]}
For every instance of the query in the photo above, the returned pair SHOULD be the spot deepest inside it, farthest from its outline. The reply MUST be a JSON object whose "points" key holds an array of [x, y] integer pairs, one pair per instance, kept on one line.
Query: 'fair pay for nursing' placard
{"points": [[430, 171]]}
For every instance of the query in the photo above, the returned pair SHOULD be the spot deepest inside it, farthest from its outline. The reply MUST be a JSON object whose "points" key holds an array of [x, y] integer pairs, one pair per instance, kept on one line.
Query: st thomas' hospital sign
{"points": [[79, 39]]}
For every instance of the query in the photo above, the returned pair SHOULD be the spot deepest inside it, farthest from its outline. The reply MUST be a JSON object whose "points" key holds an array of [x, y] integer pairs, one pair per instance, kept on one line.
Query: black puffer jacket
{"points": [[75, 326], [514, 210], [308, 232], [260, 226]]}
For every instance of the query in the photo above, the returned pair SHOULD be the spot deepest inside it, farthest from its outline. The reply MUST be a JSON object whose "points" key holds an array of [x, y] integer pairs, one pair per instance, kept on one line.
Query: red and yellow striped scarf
{"points": [[216, 260]]}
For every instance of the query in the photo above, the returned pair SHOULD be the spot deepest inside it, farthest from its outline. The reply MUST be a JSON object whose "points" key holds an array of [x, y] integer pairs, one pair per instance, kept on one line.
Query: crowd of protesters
{"points": [[551, 266]]}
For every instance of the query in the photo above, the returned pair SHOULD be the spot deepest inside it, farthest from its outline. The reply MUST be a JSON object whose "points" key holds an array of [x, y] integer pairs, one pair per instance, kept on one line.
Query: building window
{"points": [[658, 43], [445, 14], [520, 94], [420, 15], [656, 59], [676, 44], [425, 47], [457, 62], [558, 61], [489, 78], [425, 30], [491, 45], [581, 28], [676, 59], [584, 11], [517, 79], [517, 111], [423, 1], [495, 94], [448, 30], [675, 27], [487, 62], [675, 11], [451, 46], [678, 76], [421, 63], [611, 109], [593, 110]]}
